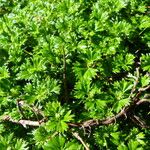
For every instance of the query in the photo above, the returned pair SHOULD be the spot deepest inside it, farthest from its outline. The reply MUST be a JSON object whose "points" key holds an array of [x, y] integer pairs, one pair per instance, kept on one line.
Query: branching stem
{"points": [[65, 77], [76, 135]]}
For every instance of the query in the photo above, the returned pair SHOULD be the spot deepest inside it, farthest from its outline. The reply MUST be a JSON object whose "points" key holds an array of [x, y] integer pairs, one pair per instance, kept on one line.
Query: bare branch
{"points": [[125, 113], [24, 123], [144, 88], [96, 122], [143, 101], [135, 82], [76, 135], [19, 106], [138, 121], [138, 94]]}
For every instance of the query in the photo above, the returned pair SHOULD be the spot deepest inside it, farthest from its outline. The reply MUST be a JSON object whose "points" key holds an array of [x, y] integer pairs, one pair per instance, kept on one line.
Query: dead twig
{"points": [[143, 101], [135, 83], [76, 135], [21, 104], [24, 123], [144, 88], [138, 121], [127, 111]]}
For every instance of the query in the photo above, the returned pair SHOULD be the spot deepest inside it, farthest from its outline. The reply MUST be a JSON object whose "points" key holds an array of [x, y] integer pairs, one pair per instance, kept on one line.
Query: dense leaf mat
{"points": [[74, 74]]}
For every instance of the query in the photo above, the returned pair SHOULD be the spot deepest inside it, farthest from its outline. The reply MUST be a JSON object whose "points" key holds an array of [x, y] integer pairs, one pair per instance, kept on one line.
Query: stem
{"points": [[76, 135], [135, 83], [127, 111], [65, 77]]}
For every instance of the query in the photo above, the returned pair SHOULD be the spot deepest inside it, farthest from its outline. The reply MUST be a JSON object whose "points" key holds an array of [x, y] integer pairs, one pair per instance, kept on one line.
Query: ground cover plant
{"points": [[74, 74]]}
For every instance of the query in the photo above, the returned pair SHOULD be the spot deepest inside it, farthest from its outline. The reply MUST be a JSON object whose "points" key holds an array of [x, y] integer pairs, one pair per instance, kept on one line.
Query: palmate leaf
{"points": [[82, 88], [40, 136], [145, 60], [144, 22], [121, 94], [79, 70], [134, 145], [68, 117], [146, 38], [30, 68], [122, 146], [101, 42], [115, 137], [52, 108], [20, 145], [52, 86], [95, 104], [90, 73], [60, 143], [122, 62], [120, 104], [6, 143], [4, 73], [58, 117], [89, 56], [123, 86], [95, 108], [145, 80], [85, 75], [56, 143], [41, 90], [58, 124], [84, 71], [82, 45]]}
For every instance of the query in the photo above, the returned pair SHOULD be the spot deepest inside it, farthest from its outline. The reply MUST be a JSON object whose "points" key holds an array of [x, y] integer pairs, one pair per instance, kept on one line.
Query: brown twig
{"points": [[19, 106], [36, 111], [86, 124], [76, 135], [96, 122], [144, 88], [127, 111], [138, 121], [24, 123], [138, 94], [143, 101], [135, 82]]}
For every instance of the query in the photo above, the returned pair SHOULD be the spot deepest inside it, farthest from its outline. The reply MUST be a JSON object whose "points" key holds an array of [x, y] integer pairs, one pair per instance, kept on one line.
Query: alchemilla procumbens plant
{"points": [[74, 74]]}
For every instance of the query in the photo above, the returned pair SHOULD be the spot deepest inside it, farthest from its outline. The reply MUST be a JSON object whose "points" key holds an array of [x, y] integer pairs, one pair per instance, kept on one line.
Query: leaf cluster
{"points": [[70, 61]]}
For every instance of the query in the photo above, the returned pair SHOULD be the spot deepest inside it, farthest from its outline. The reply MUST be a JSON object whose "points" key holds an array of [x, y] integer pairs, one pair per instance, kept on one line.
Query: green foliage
{"points": [[58, 117], [61, 143], [8, 143], [70, 61], [146, 62]]}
